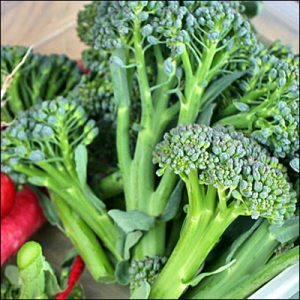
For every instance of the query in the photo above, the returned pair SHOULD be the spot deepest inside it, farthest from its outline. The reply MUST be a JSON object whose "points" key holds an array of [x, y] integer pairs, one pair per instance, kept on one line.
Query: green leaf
{"points": [[286, 232], [142, 292], [131, 239], [49, 209], [201, 276], [133, 220], [218, 86], [121, 272], [239, 242], [206, 115], [97, 203], [173, 204], [81, 158], [51, 285], [11, 273]]}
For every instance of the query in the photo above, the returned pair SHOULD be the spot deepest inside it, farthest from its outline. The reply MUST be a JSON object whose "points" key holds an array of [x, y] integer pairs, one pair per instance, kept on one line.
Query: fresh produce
{"points": [[34, 278], [41, 77], [8, 194], [24, 219], [171, 160], [257, 257], [74, 275], [226, 175]]}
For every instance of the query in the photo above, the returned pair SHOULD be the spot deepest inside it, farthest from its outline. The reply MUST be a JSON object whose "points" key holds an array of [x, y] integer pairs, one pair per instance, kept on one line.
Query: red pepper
{"points": [[74, 275], [8, 195], [25, 218]]}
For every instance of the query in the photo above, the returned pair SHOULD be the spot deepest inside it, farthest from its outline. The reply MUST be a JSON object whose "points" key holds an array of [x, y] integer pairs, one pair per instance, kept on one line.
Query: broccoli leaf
{"points": [[173, 204], [142, 292], [132, 220]]}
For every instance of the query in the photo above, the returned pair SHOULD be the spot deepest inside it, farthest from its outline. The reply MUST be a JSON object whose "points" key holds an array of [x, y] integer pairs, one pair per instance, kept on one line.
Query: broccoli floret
{"points": [[145, 270], [172, 51], [265, 103], [46, 144], [41, 77], [225, 177]]}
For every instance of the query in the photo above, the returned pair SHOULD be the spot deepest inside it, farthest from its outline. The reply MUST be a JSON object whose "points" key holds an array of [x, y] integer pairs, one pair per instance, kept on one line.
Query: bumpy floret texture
{"points": [[173, 23], [230, 162], [46, 132], [41, 77], [146, 269]]}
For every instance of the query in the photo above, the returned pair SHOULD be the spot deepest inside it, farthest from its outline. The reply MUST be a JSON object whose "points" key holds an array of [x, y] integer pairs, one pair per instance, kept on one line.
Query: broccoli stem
{"points": [[253, 254], [198, 237], [121, 93], [266, 273], [111, 185], [84, 241], [98, 220]]}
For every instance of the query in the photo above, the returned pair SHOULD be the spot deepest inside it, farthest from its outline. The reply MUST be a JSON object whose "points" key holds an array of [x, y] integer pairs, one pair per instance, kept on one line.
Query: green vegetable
{"points": [[41, 77], [265, 102], [163, 56], [254, 262], [226, 175], [46, 146]]}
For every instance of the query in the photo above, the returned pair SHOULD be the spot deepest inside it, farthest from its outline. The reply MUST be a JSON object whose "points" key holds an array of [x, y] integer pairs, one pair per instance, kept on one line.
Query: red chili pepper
{"points": [[74, 275], [8, 195]]}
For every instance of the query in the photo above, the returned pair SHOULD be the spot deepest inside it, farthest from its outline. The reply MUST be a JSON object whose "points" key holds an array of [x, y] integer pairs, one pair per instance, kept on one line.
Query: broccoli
{"points": [[46, 146], [265, 103], [145, 270], [41, 77], [226, 175], [260, 254], [174, 50]]}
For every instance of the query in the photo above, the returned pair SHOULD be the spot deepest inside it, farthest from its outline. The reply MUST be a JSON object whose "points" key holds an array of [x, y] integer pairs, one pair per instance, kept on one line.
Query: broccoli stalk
{"points": [[184, 53], [84, 241], [226, 175], [253, 253], [46, 145]]}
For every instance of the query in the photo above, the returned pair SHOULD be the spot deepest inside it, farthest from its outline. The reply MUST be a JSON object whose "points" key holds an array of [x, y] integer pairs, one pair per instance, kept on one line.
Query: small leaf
{"points": [[195, 281], [133, 220], [218, 86], [131, 239], [240, 241], [294, 163], [121, 272], [142, 292], [11, 273], [173, 204], [206, 115], [287, 231], [48, 208], [243, 107], [97, 203], [81, 163]]}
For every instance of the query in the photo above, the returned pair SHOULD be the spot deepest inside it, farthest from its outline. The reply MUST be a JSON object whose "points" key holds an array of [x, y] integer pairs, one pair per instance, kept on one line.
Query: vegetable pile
{"points": [[170, 159]]}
